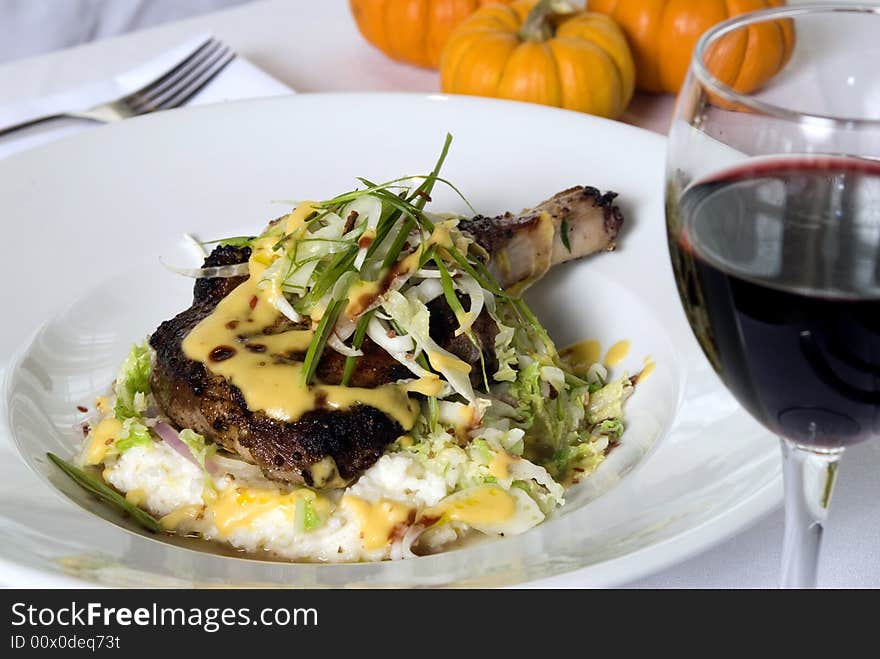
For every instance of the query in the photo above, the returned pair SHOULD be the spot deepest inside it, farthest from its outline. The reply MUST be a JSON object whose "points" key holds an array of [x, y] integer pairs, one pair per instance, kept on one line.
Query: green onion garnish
{"points": [[105, 493], [338, 266], [563, 233], [397, 245], [322, 333], [449, 292], [535, 325], [356, 342], [234, 241]]}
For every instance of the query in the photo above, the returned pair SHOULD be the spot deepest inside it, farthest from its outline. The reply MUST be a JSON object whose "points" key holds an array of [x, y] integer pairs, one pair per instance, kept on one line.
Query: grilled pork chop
{"points": [[327, 447]]}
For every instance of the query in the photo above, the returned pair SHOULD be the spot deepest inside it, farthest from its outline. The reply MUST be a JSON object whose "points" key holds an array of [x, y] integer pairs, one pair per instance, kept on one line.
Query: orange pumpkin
{"points": [[663, 33], [541, 52], [412, 31]]}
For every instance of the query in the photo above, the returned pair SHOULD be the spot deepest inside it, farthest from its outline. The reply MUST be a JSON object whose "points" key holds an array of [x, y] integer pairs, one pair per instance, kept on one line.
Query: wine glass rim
{"points": [[732, 96]]}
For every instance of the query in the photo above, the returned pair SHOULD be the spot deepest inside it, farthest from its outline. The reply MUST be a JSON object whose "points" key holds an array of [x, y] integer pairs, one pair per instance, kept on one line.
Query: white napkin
{"points": [[240, 79]]}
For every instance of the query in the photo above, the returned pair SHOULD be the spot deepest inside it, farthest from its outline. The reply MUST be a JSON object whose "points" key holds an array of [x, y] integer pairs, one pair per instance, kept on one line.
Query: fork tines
{"points": [[184, 81]]}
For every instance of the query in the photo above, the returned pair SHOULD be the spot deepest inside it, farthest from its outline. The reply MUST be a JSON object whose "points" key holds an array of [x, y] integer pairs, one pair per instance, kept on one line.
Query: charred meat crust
{"points": [[492, 233], [612, 213], [215, 289], [354, 438]]}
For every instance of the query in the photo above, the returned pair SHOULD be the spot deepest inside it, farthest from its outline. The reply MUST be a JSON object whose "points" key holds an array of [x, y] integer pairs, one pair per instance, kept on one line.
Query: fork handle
{"points": [[6, 130]]}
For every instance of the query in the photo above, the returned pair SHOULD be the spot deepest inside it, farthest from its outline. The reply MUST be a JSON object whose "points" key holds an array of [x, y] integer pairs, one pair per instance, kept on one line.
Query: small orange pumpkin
{"points": [[544, 52], [663, 33], [412, 31]]}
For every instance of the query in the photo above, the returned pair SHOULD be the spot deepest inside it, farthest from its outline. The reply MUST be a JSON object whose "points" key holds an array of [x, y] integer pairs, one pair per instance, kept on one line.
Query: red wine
{"points": [[778, 266]]}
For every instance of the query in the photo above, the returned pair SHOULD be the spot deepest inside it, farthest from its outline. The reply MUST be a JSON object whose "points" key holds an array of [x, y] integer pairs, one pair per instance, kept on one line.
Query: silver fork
{"points": [[172, 89]]}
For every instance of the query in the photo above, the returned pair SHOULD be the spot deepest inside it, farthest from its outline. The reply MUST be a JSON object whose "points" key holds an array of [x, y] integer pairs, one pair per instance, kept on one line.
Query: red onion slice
{"points": [[170, 436]]}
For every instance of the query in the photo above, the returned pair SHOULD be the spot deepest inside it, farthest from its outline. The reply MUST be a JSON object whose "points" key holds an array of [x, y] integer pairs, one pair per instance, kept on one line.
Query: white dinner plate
{"points": [[87, 219]]}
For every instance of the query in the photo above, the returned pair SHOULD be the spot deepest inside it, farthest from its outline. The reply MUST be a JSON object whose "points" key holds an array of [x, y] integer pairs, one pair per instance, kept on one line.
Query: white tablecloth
{"points": [[314, 46]]}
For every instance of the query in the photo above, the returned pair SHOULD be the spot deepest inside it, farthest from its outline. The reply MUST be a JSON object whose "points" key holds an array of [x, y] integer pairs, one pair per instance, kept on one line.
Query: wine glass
{"points": [[773, 223]]}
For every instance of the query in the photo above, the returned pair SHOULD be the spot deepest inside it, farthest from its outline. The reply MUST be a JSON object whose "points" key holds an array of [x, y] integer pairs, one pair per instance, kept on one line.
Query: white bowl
{"points": [[134, 188]]}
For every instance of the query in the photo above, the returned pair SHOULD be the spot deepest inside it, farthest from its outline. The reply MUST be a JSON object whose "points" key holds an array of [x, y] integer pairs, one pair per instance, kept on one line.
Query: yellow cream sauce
{"points": [[429, 385], [500, 466], [647, 369], [238, 507], [185, 514], [325, 473], [267, 367], [378, 520], [617, 353], [104, 436], [136, 497], [449, 362], [581, 355], [102, 403], [484, 504]]}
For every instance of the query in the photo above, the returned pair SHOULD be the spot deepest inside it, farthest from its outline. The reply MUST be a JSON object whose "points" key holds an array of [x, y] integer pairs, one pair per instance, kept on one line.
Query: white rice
{"points": [[166, 479], [401, 478], [169, 482]]}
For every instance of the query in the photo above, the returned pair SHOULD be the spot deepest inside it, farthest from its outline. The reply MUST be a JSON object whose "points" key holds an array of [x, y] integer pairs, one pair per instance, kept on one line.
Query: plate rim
{"points": [[307, 97]]}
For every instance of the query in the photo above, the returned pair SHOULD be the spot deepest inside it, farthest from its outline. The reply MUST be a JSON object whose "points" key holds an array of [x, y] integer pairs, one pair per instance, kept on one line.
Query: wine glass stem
{"points": [[809, 476]]}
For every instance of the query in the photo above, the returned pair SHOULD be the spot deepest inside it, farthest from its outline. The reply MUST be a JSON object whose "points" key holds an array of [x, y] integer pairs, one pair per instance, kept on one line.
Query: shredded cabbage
{"points": [[612, 428], [133, 382], [200, 449], [413, 316], [607, 402]]}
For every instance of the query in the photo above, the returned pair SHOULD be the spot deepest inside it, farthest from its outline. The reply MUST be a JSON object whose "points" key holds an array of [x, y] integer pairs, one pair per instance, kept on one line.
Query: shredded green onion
{"points": [[322, 333], [97, 487], [234, 241], [356, 342], [563, 233]]}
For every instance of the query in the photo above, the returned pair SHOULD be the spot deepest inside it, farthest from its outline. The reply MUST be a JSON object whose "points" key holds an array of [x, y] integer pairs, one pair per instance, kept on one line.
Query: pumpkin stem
{"points": [[537, 26]]}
